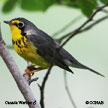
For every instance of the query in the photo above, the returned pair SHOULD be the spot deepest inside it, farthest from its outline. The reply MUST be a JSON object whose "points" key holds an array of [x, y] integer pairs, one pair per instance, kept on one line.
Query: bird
{"points": [[37, 47]]}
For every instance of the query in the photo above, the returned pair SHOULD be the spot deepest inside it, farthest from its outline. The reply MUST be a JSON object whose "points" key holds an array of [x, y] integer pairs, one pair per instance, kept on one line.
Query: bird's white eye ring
{"points": [[20, 25]]}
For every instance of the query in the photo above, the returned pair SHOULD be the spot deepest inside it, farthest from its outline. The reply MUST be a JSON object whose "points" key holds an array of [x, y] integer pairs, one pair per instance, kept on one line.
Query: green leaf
{"points": [[70, 3], [9, 5], [104, 1], [87, 6], [36, 5]]}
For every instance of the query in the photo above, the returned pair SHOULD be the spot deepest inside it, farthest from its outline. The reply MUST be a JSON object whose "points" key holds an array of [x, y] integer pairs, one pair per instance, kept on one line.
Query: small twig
{"points": [[83, 30], [32, 80], [67, 90], [42, 87], [93, 24]]}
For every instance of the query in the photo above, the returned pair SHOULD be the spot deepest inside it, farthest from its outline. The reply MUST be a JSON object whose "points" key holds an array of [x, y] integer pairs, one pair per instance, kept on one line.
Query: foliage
{"points": [[86, 6], [103, 1], [9, 5], [36, 5]]}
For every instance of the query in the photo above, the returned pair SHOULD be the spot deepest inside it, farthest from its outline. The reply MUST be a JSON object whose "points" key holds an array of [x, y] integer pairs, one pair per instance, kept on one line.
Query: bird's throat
{"points": [[16, 33]]}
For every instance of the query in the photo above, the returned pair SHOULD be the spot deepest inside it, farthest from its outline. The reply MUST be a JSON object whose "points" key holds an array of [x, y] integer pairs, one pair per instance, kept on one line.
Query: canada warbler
{"points": [[36, 46]]}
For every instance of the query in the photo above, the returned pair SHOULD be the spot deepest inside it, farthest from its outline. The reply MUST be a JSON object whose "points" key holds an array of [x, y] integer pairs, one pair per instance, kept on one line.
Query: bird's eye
{"points": [[20, 25]]}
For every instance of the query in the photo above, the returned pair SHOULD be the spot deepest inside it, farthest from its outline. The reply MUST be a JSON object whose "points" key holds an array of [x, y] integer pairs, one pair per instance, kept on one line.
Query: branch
{"points": [[32, 80], [67, 90], [42, 87], [75, 32], [93, 24], [83, 30], [20, 81]]}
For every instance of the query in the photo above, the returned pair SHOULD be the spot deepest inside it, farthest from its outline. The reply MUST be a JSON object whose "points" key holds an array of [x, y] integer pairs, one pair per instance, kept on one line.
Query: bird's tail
{"points": [[94, 71], [81, 66]]}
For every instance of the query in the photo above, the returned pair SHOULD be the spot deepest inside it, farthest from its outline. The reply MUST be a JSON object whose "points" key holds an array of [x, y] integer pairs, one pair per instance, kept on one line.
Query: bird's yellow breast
{"points": [[26, 49]]}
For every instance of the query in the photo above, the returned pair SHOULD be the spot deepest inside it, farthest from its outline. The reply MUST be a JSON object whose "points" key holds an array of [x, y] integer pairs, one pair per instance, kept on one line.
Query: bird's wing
{"points": [[46, 48]]}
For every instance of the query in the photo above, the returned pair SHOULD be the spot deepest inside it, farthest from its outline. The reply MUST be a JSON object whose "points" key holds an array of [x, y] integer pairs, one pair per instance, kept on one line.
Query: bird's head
{"points": [[21, 26]]}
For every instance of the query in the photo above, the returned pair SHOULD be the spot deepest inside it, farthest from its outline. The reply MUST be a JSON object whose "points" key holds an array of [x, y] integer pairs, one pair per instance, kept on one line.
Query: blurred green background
{"points": [[90, 48]]}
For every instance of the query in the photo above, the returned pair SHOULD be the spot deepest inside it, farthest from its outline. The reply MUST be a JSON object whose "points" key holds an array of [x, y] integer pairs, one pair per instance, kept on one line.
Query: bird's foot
{"points": [[31, 69]]}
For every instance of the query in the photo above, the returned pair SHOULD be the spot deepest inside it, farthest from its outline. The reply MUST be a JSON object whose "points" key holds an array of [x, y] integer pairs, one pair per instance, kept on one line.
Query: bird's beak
{"points": [[8, 22]]}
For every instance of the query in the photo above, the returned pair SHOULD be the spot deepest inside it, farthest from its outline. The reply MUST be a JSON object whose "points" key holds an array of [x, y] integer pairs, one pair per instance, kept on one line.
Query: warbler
{"points": [[38, 47]]}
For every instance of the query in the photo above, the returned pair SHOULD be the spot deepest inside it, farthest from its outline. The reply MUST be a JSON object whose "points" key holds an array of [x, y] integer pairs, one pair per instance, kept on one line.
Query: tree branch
{"points": [[93, 24], [20, 81], [42, 87], [75, 32], [85, 29]]}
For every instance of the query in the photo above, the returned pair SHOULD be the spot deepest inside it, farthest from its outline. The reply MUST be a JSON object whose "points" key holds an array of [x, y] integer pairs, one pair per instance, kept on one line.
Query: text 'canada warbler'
{"points": [[36, 46]]}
